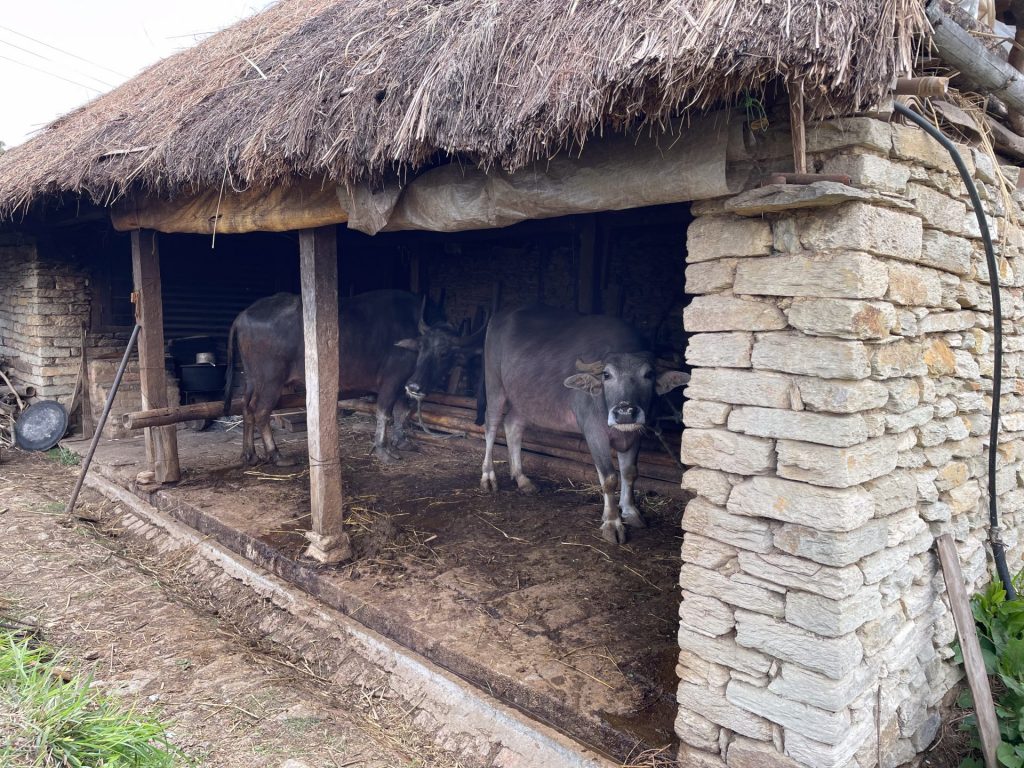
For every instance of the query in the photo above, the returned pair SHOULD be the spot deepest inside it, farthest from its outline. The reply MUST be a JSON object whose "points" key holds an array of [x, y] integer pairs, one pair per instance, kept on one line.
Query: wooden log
{"points": [[318, 262], [980, 69], [176, 414], [797, 126], [1006, 141], [460, 419], [988, 726], [922, 87], [161, 442], [563, 446], [558, 467]]}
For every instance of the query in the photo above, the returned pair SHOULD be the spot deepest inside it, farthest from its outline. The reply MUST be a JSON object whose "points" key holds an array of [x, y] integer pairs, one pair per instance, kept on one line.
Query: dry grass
{"points": [[362, 89]]}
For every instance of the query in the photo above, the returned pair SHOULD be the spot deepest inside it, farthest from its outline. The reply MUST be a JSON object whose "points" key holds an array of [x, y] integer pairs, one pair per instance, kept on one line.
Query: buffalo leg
{"points": [[399, 440], [249, 457], [612, 529], [514, 428], [627, 469], [264, 406], [385, 405], [495, 410]]}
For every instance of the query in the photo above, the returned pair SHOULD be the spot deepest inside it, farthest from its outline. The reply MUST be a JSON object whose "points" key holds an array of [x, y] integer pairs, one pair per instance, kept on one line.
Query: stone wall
{"points": [[836, 422], [44, 302]]}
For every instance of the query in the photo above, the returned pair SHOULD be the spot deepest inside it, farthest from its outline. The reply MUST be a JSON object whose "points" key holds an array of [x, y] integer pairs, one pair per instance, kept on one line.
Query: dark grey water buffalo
{"points": [[559, 370], [384, 345]]}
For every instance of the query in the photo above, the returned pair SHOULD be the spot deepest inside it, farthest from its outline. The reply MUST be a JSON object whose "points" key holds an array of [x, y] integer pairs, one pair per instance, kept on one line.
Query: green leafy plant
{"points": [[58, 722], [64, 456], [1000, 625]]}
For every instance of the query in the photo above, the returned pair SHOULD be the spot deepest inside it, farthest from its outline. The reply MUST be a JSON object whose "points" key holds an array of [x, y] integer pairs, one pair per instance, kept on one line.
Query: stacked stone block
{"points": [[43, 305], [836, 422]]}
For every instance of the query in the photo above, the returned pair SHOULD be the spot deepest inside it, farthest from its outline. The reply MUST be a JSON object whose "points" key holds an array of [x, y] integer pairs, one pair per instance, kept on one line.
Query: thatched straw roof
{"points": [[353, 90]]}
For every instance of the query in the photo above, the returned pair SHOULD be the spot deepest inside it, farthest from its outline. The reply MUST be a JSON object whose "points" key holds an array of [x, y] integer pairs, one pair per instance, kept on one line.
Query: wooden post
{"points": [[161, 442], [988, 725], [318, 260], [796, 123]]}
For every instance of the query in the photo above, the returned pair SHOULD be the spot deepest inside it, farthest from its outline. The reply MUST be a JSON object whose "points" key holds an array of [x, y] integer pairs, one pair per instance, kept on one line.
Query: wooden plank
{"points": [[161, 442], [988, 727], [797, 127], [318, 262]]}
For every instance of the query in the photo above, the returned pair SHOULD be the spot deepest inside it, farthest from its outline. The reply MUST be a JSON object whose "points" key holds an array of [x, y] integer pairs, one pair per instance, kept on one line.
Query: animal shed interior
{"points": [[518, 594]]}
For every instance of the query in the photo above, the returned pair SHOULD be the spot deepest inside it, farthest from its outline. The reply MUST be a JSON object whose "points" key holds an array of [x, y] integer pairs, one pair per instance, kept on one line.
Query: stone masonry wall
{"points": [[43, 303], [836, 422]]}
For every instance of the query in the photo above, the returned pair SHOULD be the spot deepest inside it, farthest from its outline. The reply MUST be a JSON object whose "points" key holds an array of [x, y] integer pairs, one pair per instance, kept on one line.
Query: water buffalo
{"points": [[590, 374], [383, 345]]}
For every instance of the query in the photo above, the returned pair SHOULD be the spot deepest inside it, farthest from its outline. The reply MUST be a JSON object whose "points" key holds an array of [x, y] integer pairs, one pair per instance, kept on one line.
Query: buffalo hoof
{"points": [[526, 485], [632, 518], [385, 455], [282, 461], [489, 482], [613, 531], [405, 444]]}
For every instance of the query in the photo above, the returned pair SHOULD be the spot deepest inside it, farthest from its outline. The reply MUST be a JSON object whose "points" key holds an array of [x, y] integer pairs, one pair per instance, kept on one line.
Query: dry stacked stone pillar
{"points": [[43, 302], [836, 422]]}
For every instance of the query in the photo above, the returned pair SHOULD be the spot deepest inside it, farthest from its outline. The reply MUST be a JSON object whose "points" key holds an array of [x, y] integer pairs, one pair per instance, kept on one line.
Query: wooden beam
{"points": [[988, 726], [797, 126], [318, 262], [161, 442], [980, 69]]}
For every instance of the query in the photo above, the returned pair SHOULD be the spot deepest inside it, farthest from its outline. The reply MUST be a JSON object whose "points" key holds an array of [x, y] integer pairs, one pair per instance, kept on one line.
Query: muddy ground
{"points": [[148, 635]]}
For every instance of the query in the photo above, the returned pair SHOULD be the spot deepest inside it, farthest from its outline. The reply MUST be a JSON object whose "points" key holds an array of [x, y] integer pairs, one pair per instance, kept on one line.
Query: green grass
{"points": [[68, 724], [64, 456]]}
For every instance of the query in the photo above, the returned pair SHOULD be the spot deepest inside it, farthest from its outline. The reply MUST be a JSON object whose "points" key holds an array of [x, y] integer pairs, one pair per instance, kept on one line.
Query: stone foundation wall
{"points": [[836, 422]]}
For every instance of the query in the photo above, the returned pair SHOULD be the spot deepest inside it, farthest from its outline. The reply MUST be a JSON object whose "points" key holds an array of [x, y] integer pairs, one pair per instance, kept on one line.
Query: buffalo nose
{"points": [[413, 390], [625, 412]]}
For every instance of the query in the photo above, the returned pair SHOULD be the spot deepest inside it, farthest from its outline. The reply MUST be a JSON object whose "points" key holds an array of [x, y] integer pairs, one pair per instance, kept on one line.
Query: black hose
{"points": [[995, 537]]}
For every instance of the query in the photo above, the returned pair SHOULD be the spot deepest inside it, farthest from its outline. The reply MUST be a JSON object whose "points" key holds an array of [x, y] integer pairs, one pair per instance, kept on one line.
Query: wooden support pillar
{"points": [[161, 442], [796, 122], [318, 261]]}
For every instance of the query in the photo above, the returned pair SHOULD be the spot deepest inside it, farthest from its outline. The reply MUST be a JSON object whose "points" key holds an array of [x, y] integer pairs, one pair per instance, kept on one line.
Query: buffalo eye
{"points": [[606, 375], [649, 375]]}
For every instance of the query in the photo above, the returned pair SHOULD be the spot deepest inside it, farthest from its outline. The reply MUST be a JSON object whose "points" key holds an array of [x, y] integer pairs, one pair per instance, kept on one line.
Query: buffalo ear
{"points": [[586, 382], [413, 344], [669, 380]]}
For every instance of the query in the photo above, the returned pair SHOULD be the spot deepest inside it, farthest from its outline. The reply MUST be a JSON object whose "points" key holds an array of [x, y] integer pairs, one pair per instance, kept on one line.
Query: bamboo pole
{"points": [[103, 420]]}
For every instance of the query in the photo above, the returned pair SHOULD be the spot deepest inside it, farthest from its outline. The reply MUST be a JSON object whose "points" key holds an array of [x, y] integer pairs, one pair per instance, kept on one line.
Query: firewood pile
{"points": [[12, 403]]}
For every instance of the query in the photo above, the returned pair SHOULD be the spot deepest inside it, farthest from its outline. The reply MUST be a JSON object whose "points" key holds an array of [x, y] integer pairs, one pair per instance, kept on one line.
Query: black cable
{"points": [[998, 550]]}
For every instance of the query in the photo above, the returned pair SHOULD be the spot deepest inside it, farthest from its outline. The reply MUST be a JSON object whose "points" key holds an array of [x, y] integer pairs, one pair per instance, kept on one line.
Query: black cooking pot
{"points": [[202, 377]]}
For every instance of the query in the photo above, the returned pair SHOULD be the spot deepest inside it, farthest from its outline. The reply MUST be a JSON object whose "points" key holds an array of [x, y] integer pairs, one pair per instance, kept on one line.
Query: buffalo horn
{"points": [[591, 368], [423, 316]]}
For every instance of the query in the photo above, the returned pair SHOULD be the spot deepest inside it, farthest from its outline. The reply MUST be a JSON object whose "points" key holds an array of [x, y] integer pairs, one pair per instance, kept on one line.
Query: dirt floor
{"points": [[142, 633], [518, 594]]}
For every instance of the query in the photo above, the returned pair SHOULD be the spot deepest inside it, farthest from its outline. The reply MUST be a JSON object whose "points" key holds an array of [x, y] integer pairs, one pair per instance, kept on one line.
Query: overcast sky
{"points": [[58, 54]]}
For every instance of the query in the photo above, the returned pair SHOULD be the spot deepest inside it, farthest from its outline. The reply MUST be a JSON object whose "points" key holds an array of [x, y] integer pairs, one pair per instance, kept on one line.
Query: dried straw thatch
{"points": [[357, 89]]}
